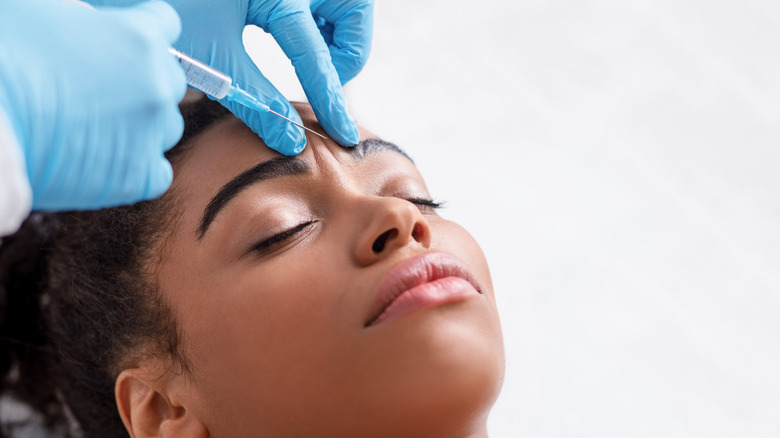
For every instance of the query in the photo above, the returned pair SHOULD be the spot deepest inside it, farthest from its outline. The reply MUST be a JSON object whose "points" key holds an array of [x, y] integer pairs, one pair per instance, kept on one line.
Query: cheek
{"points": [[271, 315], [271, 339]]}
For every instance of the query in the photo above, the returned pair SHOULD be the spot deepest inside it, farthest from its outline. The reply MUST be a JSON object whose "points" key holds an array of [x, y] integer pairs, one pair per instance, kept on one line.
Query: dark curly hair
{"points": [[79, 302]]}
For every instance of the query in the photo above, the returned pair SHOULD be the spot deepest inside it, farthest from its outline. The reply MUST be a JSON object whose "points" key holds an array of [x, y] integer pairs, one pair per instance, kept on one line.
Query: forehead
{"points": [[217, 154]]}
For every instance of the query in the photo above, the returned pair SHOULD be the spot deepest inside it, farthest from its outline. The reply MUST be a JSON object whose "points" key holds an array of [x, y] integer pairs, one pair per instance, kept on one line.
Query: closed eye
{"points": [[425, 203], [277, 239]]}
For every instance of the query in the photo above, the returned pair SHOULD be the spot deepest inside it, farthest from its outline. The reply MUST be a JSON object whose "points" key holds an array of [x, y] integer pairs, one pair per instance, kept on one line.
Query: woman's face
{"points": [[273, 283]]}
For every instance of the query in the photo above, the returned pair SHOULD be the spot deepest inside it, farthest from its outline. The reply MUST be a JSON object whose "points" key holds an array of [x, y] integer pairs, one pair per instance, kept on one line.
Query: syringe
{"points": [[219, 85]]}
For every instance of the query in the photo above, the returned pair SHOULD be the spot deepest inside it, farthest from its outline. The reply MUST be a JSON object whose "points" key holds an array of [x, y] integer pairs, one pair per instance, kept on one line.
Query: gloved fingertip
{"points": [[180, 85], [298, 149], [174, 129], [300, 146], [347, 134], [354, 137], [291, 144], [159, 180], [281, 135]]}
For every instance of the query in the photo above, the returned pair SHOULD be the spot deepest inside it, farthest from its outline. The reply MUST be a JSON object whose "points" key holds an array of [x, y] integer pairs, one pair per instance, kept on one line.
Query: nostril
{"points": [[379, 243], [417, 232]]}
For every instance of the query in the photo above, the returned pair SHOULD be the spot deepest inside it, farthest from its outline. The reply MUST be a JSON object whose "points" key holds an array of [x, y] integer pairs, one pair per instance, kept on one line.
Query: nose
{"points": [[390, 224]]}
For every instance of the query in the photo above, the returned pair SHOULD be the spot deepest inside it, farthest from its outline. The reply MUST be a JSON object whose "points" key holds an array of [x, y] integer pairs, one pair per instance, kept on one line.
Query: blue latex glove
{"points": [[92, 97], [328, 42]]}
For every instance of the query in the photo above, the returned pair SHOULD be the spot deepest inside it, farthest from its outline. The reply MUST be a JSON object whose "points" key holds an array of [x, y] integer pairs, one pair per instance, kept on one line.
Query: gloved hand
{"points": [[328, 42], [92, 97], [212, 32]]}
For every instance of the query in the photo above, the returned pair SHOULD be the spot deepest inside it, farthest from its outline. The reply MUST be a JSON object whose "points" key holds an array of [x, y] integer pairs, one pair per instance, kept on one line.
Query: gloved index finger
{"points": [[297, 34]]}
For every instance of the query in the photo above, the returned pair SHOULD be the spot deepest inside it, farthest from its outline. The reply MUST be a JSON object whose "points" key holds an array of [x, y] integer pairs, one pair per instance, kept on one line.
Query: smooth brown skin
{"points": [[277, 341]]}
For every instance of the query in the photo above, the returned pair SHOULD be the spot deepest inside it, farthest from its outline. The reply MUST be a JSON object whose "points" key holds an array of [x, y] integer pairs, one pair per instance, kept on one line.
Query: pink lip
{"points": [[421, 282]]}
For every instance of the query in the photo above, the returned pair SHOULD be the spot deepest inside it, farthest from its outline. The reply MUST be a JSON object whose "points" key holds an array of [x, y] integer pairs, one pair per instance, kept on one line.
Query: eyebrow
{"points": [[277, 168], [375, 145]]}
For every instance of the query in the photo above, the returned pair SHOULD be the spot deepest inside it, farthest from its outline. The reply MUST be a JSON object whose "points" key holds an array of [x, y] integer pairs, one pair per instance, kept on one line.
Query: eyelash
{"points": [[281, 237], [421, 203], [425, 203]]}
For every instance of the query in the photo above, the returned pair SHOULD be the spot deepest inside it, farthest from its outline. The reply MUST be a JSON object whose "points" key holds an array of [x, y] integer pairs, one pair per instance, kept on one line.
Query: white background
{"points": [[619, 163]]}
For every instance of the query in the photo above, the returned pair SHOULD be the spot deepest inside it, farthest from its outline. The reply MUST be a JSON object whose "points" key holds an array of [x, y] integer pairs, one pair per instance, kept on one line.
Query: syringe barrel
{"points": [[206, 79]]}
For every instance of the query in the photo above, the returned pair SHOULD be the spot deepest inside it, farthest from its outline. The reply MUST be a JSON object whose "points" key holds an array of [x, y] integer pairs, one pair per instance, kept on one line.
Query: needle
{"points": [[297, 124], [219, 85]]}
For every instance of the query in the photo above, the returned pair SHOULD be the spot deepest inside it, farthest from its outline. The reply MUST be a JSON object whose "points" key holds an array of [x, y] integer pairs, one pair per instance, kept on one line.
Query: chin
{"points": [[443, 372]]}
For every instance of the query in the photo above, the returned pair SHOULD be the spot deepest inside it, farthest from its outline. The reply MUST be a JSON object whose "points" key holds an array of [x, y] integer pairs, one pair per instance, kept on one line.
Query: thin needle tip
{"points": [[297, 124]]}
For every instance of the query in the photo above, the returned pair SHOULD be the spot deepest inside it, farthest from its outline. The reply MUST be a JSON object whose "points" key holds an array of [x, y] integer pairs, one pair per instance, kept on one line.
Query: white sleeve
{"points": [[15, 190]]}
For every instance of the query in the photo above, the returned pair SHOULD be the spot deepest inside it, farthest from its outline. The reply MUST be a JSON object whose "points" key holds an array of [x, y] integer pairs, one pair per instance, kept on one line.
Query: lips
{"points": [[421, 282]]}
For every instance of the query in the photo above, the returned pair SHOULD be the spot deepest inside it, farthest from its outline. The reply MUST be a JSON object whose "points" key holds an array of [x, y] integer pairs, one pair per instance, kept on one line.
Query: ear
{"points": [[148, 411]]}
